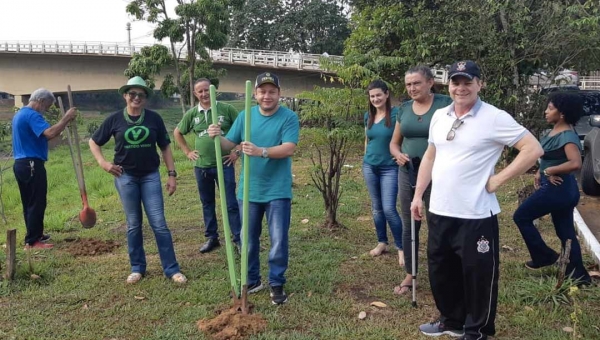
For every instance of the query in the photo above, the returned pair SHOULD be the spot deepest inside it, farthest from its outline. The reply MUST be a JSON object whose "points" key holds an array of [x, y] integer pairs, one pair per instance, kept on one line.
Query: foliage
{"points": [[336, 110], [5, 130], [314, 26], [91, 128], [511, 41], [199, 25]]}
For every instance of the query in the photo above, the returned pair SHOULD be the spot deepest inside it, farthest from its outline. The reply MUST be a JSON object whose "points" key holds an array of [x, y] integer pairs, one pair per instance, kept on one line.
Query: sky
{"points": [[71, 20]]}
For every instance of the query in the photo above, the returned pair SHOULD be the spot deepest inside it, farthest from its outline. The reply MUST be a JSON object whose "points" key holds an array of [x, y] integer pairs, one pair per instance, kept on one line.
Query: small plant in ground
{"points": [[334, 110], [573, 292]]}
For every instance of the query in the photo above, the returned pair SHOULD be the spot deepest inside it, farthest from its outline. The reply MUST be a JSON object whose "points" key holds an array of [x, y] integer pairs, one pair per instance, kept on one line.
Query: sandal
{"points": [[179, 278], [402, 289], [134, 278]]}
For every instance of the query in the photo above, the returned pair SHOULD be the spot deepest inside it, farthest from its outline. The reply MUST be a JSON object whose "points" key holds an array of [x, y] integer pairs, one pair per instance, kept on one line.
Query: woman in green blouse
{"points": [[408, 145]]}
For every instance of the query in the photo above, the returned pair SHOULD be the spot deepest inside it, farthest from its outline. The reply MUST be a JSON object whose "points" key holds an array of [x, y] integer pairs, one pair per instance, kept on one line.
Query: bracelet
{"points": [[546, 173], [172, 173]]}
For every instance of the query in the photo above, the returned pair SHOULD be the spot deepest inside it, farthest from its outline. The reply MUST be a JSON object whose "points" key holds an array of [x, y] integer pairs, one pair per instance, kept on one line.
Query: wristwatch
{"points": [[265, 154], [546, 173], [172, 173], [237, 152]]}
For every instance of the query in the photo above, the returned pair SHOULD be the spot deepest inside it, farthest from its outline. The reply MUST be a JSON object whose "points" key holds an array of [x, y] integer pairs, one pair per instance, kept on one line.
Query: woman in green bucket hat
{"points": [[137, 133]]}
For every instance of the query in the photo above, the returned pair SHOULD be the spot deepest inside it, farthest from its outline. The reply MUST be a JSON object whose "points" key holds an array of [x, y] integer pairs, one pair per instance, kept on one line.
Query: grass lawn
{"points": [[82, 295]]}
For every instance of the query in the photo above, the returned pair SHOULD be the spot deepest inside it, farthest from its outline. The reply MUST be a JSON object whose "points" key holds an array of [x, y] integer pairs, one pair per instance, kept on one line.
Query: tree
{"points": [[314, 26], [199, 25], [511, 41], [335, 110]]}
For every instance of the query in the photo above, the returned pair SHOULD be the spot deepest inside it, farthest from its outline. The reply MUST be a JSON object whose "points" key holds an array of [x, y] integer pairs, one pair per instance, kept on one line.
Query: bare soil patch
{"points": [[90, 247], [230, 324]]}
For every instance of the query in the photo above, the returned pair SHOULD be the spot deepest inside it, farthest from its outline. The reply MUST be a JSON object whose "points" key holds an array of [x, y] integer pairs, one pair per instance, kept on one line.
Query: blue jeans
{"points": [[147, 190], [382, 183], [558, 201], [278, 214], [207, 180]]}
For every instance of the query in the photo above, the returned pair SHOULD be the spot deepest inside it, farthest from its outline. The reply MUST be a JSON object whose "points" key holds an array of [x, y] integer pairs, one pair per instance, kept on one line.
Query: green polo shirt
{"points": [[198, 120], [415, 128]]}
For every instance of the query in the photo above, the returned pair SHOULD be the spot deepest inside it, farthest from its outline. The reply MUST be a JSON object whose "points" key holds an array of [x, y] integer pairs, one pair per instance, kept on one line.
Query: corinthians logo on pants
{"points": [[135, 136]]}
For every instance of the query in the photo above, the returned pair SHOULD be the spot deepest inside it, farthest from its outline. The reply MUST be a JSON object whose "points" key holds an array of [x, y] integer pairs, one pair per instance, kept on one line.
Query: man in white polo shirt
{"points": [[465, 141]]}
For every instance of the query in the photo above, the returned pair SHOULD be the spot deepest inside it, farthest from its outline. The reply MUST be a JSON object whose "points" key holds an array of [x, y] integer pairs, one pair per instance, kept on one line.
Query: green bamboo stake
{"points": [[224, 213], [246, 197]]}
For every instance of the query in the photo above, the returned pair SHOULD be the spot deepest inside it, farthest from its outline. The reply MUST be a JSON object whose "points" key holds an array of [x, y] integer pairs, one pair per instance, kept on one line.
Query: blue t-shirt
{"points": [[270, 179], [28, 138], [379, 137]]}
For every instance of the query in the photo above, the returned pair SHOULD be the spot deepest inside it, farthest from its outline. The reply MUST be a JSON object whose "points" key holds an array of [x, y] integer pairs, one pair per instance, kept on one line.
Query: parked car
{"points": [[588, 129]]}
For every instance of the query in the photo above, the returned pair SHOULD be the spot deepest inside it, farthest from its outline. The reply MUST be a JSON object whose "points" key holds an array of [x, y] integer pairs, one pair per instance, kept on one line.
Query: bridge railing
{"points": [[589, 83], [264, 58], [248, 57]]}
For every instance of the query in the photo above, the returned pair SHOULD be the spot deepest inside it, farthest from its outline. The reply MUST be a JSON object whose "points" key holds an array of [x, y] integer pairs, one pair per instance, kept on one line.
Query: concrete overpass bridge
{"points": [[26, 66], [87, 66]]}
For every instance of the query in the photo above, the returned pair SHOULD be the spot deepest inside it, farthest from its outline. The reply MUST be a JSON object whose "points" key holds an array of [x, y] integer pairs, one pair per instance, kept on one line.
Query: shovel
{"points": [[87, 216]]}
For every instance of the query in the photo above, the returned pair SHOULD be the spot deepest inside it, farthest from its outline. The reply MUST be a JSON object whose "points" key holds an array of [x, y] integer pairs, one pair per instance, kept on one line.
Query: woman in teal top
{"points": [[557, 193], [408, 145], [379, 168]]}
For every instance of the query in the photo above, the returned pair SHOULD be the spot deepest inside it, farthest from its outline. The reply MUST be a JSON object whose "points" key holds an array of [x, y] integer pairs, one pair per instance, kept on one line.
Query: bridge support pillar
{"points": [[21, 101]]}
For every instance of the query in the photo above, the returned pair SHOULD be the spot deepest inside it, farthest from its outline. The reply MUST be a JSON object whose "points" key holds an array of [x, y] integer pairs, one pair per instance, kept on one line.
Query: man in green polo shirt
{"points": [[197, 120]]}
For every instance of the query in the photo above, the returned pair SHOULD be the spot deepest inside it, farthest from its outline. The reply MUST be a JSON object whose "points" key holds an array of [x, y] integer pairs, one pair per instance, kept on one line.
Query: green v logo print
{"points": [[136, 134]]}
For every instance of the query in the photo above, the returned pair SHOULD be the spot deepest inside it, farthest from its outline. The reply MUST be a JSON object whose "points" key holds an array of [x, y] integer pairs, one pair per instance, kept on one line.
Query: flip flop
{"points": [[400, 290]]}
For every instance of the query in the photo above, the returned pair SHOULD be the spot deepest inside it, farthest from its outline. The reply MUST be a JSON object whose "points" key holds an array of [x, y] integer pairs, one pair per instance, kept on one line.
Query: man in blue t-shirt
{"points": [[274, 135], [30, 136]]}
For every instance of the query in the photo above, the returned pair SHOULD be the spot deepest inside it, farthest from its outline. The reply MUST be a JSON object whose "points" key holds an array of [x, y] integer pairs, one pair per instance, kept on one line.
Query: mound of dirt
{"points": [[232, 325], [90, 247]]}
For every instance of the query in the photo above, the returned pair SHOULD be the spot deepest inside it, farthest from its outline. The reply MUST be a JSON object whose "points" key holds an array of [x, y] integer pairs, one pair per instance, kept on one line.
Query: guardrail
{"points": [[589, 83], [258, 58], [275, 59]]}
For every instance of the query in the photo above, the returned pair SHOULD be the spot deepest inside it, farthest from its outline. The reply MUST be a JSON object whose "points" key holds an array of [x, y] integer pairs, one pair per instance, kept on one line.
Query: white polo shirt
{"points": [[463, 165]]}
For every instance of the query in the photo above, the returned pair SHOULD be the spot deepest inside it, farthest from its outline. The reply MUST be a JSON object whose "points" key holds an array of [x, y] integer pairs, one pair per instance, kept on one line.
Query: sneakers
{"points": [[45, 238], [278, 296], [39, 245], [255, 288], [437, 328]]}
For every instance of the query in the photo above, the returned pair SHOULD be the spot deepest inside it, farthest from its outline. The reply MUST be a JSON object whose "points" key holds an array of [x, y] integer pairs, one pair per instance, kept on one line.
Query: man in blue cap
{"points": [[466, 140]]}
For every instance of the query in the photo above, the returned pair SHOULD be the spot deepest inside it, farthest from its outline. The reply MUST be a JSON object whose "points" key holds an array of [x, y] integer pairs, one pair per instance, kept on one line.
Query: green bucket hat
{"points": [[136, 81]]}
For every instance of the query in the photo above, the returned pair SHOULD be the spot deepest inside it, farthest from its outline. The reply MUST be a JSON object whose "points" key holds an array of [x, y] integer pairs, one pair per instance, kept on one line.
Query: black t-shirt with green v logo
{"points": [[135, 142]]}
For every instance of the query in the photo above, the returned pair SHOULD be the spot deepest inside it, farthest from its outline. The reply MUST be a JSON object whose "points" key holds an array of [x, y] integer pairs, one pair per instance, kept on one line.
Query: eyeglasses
{"points": [[452, 133], [132, 95]]}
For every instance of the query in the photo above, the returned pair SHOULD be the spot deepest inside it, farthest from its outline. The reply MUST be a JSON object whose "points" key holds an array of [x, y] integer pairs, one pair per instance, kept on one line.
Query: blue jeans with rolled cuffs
{"points": [[382, 183], [146, 190], [278, 213], [558, 201]]}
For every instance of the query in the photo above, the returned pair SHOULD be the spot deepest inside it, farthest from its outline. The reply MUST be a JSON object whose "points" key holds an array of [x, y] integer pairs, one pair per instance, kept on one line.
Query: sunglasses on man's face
{"points": [[452, 133], [132, 95]]}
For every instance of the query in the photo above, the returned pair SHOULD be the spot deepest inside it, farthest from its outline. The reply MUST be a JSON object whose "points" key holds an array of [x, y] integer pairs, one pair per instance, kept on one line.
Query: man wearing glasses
{"points": [[466, 140]]}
